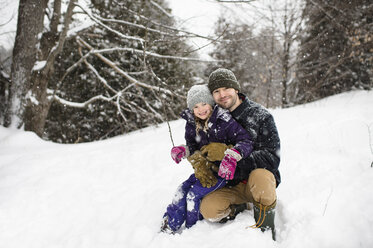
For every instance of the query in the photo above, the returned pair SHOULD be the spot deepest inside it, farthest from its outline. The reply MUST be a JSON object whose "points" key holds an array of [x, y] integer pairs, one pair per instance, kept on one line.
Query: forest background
{"points": [[85, 70]]}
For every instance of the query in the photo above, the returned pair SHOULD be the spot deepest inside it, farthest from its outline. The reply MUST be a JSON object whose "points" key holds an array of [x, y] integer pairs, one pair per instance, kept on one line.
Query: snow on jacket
{"points": [[262, 129], [222, 128]]}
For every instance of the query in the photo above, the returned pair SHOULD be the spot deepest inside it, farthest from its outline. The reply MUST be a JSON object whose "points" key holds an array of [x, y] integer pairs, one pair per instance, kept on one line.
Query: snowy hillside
{"points": [[113, 193]]}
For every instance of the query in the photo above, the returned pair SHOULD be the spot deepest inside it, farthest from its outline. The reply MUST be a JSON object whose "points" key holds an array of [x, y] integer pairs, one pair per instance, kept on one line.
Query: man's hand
{"points": [[202, 169], [214, 151]]}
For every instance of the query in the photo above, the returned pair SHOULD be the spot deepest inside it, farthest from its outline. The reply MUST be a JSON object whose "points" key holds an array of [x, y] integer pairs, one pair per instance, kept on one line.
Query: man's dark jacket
{"points": [[266, 142]]}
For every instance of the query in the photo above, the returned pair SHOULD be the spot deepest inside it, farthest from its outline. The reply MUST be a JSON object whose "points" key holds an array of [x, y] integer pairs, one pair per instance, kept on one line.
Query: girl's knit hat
{"points": [[198, 94]]}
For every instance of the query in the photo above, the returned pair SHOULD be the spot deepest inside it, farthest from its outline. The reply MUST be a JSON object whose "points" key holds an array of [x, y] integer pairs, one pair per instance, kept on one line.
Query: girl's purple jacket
{"points": [[222, 128]]}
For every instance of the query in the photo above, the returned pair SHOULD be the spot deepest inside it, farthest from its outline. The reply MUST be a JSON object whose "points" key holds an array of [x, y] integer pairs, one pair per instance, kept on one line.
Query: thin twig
{"points": [[370, 141], [370, 138], [125, 75], [327, 201], [163, 102]]}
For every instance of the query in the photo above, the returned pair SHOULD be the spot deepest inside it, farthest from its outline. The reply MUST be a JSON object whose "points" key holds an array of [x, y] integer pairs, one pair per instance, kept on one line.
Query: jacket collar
{"points": [[217, 113], [245, 102], [187, 115]]}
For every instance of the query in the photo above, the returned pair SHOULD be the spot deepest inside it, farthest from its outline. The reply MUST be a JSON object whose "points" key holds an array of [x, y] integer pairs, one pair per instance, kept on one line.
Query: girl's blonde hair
{"points": [[202, 124]]}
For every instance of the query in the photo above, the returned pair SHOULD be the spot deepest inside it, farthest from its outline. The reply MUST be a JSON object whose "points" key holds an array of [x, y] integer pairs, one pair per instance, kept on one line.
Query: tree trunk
{"points": [[29, 26], [286, 56], [52, 44], [285, 76], [38, 107]]}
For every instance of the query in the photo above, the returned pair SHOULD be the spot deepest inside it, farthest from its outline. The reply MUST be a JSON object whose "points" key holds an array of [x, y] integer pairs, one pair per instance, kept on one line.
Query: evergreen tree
{"points": [[136, 106], [327, 63], [253, 59]]}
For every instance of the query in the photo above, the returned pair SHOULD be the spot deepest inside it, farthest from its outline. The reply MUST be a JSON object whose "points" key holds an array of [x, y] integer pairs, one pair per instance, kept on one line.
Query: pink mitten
{"points": [[178, 153], [228, 164]]}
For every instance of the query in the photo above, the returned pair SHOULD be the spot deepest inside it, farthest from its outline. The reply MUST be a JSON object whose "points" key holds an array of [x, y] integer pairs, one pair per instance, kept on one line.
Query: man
{"points": [[256, 177]]}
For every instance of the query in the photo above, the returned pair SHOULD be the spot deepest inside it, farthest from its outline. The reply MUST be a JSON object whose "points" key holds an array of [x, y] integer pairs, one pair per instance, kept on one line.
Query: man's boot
{"points": [[235, 210], [265, 217]]}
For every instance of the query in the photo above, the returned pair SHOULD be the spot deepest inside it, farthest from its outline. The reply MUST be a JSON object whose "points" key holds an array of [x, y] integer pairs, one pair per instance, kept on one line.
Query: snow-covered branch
{"points": [[102, 79], [58, 47], [156, 55], [370, 138], [128, 37], [118, 99], [167, 27], [126, 75], [235, 1], [83, 104], [141, 27], [75, 65], [160, 8]]}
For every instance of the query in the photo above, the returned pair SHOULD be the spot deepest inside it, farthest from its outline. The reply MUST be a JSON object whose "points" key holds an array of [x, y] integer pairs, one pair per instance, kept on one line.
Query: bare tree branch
{"points": [[235, 1], [156, 55], [75, 65], [58, 48], [331, 18], [140, 26], [83, 104], [103, 80], [168, 27], [109, 28], [55, 16], [161, 9], [7, 22], [370, 139], [124, 74]]}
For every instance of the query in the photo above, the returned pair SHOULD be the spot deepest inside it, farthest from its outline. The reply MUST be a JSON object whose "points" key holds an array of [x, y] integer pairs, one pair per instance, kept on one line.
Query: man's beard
{"points": [[228, 103]]}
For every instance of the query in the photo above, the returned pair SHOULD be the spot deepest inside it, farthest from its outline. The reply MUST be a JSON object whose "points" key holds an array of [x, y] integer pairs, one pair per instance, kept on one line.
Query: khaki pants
{"points": [[261, 188]]}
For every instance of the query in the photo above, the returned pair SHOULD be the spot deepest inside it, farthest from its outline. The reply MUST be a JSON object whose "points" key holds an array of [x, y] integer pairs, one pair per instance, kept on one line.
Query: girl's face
{"points": [[202, 110]]}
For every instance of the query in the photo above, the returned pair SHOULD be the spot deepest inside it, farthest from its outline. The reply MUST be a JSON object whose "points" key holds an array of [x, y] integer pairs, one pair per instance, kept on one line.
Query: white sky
{"points": [[198, 16], [8, 22]]}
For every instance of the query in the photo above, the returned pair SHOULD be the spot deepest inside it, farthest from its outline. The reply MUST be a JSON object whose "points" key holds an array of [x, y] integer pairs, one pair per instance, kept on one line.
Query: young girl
{"points": [[205, 123]]}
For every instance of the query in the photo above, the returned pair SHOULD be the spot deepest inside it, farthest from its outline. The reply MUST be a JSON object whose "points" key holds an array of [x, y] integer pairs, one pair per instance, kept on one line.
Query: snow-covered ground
{"points": [[113, 193]]}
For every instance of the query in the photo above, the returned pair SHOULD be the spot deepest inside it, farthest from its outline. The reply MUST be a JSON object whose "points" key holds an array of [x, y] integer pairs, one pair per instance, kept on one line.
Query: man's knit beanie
{"points": [[223, 78], [198, 94]]}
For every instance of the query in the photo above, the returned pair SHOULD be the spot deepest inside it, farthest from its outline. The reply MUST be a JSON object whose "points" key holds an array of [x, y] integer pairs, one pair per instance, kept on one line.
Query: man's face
{"points": [[226, 98]]}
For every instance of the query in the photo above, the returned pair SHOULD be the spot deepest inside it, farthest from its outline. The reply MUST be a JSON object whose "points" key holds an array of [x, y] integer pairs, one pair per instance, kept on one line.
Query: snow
{"points": [[113, 193], [32, 98], [39, 65]]}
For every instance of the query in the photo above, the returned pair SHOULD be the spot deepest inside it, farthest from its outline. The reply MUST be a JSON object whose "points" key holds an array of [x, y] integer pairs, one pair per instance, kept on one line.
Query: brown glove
{"points": [[214, 151], [202, 169]]}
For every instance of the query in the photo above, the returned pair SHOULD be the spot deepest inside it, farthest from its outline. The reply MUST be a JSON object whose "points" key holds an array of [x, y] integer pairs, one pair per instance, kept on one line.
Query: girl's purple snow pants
{"points": [[186, 202]]}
